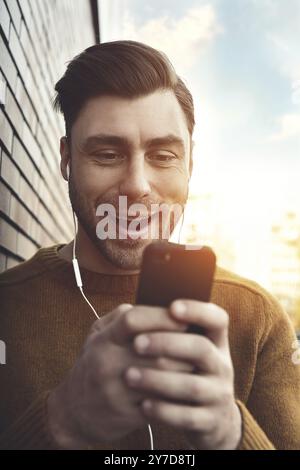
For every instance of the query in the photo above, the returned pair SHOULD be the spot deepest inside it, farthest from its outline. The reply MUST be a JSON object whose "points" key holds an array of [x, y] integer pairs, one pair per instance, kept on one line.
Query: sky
{"points": [[241, 61]]}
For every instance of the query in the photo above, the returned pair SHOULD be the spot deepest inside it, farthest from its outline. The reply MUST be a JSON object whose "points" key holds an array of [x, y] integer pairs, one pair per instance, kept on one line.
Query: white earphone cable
{"points": [[80, 286], [181, 225]]}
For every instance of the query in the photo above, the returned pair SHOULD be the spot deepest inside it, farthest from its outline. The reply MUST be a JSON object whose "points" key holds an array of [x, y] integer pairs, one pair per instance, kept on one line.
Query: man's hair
{"points": [[128, 69]]}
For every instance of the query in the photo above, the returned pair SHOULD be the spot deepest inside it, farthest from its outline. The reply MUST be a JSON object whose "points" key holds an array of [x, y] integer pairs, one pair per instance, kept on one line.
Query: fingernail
{"points": [[142, 343], [133, 375], [179, 309]]}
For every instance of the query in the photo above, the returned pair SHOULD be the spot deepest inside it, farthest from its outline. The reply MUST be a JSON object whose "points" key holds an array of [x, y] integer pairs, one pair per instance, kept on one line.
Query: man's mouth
{"points": [[138, 221], [135, 227], [127, 220], [144, 226]]}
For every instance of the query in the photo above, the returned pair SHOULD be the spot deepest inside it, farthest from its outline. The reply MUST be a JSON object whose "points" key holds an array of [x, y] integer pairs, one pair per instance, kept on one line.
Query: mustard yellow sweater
{"points": [[44, 321]]}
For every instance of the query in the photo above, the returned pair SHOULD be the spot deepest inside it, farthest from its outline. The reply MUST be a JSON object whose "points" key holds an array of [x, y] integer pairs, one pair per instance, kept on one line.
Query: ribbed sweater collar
{"points": [[93, 282]]}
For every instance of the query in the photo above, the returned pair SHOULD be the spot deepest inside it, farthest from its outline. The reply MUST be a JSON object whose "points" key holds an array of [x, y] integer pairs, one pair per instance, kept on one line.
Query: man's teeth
{"points": [[140, 225], [137, 219]]}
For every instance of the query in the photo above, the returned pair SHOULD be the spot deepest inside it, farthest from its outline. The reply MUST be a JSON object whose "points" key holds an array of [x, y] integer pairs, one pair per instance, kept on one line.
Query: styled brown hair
{"points": [[127, 69]]}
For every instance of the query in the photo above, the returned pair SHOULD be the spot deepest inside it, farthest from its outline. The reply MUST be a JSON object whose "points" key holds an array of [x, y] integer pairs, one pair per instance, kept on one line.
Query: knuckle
{"points": [[124, 308], [224, 317], [227, 396], [191, 421], [192, 345], [226, 370], [219, 313], [93, 335], [162, 363], [211, 423], [210, 357], [160, 343], [166, 364], [96, 326], [196, 387], [129, 321], [202, 345]]}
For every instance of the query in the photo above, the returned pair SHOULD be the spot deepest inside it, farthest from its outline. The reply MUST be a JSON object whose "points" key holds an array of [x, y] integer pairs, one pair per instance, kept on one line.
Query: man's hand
{"points": [[94, 404], [200, 403]]}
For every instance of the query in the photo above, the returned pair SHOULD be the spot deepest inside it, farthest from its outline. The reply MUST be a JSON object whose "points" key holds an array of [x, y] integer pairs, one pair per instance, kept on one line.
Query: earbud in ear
{"points": [[68, 171]]}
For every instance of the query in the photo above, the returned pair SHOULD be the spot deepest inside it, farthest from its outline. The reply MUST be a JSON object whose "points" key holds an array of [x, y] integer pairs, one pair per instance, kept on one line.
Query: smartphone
{"points": [[171, 271]]}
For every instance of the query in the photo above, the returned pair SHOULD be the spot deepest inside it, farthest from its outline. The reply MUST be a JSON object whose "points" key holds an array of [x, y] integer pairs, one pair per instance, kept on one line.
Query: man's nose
{"points": [[135, 182]]}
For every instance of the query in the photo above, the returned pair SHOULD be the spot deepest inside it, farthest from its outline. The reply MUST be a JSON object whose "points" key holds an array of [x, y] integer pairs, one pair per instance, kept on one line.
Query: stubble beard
{"points": [[125, 254]]}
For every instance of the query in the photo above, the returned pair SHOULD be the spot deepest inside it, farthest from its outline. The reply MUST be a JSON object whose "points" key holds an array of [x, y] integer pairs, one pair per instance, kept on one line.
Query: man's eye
{"points": [[106, 157], [162, 158]]}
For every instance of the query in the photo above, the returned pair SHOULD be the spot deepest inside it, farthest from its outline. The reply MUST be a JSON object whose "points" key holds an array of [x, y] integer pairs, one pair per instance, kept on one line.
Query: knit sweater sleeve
{"points": [[271, 416], [29, 431]]}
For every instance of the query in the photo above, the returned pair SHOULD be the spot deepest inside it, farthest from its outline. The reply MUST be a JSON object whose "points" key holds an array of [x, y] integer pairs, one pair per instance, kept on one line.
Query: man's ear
{"points": [[65, 156], [191, 162]]}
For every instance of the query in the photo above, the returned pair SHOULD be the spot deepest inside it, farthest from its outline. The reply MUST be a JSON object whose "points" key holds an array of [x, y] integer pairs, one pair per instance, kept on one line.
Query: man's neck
{"points": [[89, 256]]}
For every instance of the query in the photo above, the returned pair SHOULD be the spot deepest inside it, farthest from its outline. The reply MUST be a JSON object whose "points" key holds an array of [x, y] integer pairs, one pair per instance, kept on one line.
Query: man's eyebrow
{"points": [[105, 139], [169, 139], [118, 141]]}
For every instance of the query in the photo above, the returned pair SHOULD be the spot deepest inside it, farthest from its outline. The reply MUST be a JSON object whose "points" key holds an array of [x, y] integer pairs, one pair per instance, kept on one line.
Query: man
{"points": [[73, 383]]}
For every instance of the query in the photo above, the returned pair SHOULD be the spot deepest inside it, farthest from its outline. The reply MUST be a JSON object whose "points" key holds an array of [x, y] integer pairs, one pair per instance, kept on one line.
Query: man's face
{"points": [[139, 148]]}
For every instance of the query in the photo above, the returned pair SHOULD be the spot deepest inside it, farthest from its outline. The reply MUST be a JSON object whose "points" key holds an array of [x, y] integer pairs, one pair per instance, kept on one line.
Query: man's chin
{"points": [[126, 253], [137, 243]]}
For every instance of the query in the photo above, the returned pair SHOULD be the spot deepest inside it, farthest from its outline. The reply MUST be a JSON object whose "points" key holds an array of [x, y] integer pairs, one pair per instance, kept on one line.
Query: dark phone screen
{"points": [[171, 271]]}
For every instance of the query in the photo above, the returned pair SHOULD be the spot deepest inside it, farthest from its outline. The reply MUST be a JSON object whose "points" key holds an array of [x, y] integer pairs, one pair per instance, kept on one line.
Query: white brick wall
{"points": [[37, 38]]}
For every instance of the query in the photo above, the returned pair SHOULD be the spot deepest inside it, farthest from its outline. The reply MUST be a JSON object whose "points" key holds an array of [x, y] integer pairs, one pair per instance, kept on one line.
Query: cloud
{"points": [[286, 53], [280, 21], [289, 126], [281, 24], [283, 36], [296, 92], [181, 39]]}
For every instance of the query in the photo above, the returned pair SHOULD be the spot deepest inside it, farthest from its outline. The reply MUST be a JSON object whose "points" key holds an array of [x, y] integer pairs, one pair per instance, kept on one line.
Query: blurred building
{"points": [[277, 267], [203, 225], [37, 39], [198, 219], [285, 264]]}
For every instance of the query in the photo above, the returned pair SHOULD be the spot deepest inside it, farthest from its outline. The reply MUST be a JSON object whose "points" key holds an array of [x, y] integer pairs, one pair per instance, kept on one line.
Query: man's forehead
{"points": [[148, 117]]}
